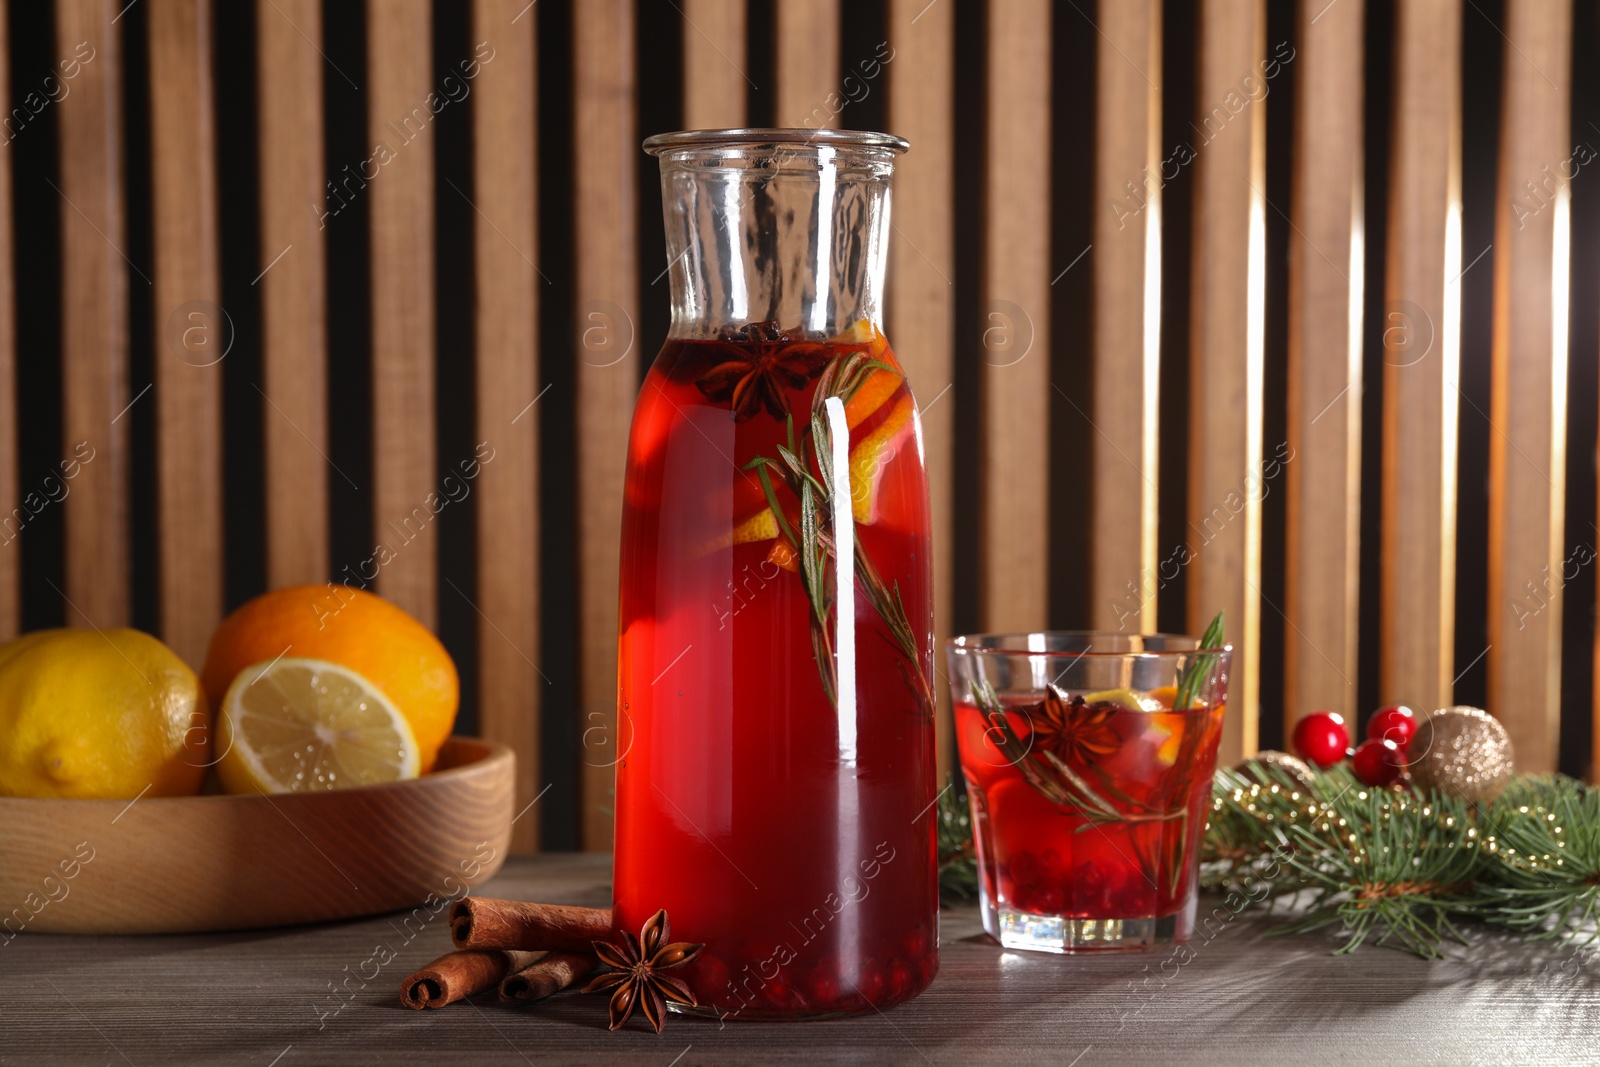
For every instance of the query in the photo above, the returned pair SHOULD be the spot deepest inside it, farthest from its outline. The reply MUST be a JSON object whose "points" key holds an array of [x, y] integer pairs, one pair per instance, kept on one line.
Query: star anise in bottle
{"points": [[1074, 729], [759, 364], [638, 978]]}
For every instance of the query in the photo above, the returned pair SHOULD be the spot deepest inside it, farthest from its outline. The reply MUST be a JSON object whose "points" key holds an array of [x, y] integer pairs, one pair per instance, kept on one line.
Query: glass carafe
{"points": [[776, 693]]}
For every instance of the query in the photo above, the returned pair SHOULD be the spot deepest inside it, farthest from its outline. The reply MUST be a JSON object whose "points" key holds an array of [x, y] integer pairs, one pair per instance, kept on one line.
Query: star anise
{"points": [[759, 363], [637, 979], [1074, 729]]}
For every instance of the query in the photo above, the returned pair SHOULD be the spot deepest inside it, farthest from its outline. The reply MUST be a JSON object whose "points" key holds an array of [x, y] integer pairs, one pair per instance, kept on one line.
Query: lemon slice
{"points": [[1127, 698], [307, 725]]}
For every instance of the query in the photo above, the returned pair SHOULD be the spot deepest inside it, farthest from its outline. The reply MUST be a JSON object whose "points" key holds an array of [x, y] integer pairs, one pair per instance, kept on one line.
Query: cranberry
{"points": [[901, 981], [1396, 723], [711, 975], [1378, 762], [1321, 738], [869, 983], [1050, 900], [916, 942], [780, 994], [822, 990]]}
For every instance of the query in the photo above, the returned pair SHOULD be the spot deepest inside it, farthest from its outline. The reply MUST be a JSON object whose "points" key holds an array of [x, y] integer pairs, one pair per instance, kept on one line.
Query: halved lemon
{"points": [[297, 725]]}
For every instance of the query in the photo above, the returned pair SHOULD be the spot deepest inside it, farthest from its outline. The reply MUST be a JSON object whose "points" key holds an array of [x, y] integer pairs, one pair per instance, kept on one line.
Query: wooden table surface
{"points": [[267, 998]]}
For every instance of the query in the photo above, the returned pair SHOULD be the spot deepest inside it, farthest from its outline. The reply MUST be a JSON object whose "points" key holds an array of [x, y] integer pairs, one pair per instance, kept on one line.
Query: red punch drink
{"points": [[776, 737], [1089, 775]]}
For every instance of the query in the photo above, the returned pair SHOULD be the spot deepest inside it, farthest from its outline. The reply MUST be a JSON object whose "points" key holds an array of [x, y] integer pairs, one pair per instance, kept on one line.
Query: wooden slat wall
{"points": [[1016, 320], [921, 293], [1528, 454], [1227, 309], [506, 245], [294, 297], [400, 77], [807, 61], [606, 158], [1127, 315], [713, 64], [94, 318], [1422, 356], [1326, 261], [1224, 484], [11, 523], [191, 335]]}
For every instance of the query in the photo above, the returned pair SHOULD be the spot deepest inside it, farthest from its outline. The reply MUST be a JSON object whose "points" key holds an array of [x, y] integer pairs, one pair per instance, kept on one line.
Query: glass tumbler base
{"points": [[1057, 933]]}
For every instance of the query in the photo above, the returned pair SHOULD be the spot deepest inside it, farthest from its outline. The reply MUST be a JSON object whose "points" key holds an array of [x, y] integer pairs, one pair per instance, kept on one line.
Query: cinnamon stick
{"points": [[483, 922], [461, 974], [546, 977]]}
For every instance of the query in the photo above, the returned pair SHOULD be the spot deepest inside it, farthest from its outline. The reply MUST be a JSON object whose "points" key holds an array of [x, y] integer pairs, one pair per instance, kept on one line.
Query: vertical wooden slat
{"points": [[191, 333], [294, 301], [94, 317], [1527, 454], [1016, 319], [713, 64], [505, 242], [1226, 334], [1127, 314], [605, 150], [921, 293], [808, 63], [399, 75], [10, 496], [1323, 462], [1422, 355]]}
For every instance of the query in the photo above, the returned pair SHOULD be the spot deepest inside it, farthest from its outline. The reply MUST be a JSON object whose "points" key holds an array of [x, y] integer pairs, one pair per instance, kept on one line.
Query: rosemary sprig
{"points": [[814, 541], [1200, 666]]}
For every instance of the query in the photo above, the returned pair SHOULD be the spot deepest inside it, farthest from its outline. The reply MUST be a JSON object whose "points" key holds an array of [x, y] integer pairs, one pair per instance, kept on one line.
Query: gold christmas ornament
{"points": [[1294, 766], [1461, 751]]}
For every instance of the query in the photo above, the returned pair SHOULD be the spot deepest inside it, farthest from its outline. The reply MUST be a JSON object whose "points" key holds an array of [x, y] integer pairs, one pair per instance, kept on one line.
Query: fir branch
{"points": [[1543, 860], [1394, 866], [958, 860]]}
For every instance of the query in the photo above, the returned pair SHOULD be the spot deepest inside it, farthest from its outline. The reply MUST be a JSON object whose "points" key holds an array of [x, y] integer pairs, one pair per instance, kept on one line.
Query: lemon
{"points": [[99, 713], [1126, 698], [296, 725]]}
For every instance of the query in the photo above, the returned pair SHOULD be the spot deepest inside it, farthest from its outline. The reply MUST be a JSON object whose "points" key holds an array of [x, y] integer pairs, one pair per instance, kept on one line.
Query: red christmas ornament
{"points": [[1321, 738], [1397, 723], [1378, 762]]}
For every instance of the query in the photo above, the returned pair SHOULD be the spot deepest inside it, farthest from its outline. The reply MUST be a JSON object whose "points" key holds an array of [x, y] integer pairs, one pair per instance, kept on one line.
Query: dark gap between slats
{"points": [[1582, 540], [1481, 64], [658, 97], [36, 212], [1378, 76], [455, 403], [863, 100], [966, 391], [761, 93], [1282, 30], [1178, 142], [138, 246], [1072, 438], [239, 219], [346, 146], [558, 498]]}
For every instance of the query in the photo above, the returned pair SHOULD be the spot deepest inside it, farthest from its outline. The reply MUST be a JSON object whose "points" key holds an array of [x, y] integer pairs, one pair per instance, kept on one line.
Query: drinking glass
{"points": [[1088, 760]]}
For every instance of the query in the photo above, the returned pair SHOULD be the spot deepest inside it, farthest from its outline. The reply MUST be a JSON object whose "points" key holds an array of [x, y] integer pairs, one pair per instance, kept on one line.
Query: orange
{"points": [[871, 455], [354, 629]]}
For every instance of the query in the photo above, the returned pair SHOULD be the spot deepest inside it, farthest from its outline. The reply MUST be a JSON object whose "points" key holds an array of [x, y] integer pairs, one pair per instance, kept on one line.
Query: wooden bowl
{"points": [[187, 864]]}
